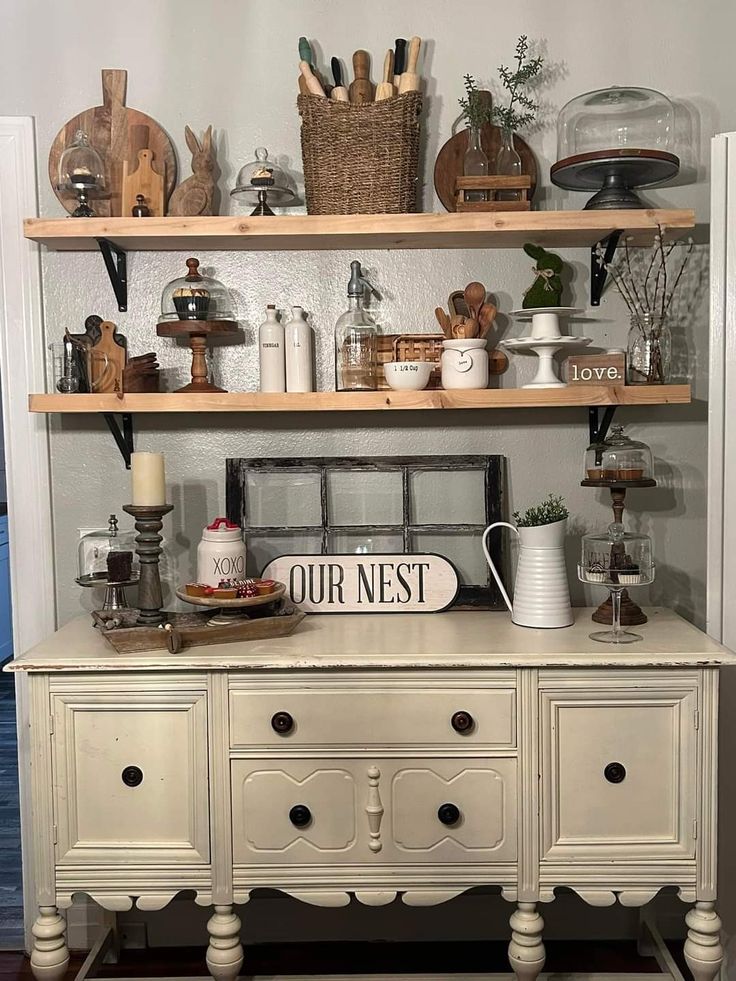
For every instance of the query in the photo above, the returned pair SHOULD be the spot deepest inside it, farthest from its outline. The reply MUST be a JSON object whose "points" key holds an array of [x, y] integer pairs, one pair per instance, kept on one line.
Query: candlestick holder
{"points": [[148, 523]]}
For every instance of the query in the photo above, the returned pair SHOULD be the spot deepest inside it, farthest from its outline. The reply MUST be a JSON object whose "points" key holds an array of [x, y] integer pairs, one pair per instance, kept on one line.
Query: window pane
{"points": [[282, 500], [440, 497], [358, 544], [464, 551], [358, 497], [261, 551]]}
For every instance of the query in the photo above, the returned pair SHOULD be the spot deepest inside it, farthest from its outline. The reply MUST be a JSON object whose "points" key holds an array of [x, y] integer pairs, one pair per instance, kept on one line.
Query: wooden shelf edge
{"points": [[426, 230], [500, 398]]}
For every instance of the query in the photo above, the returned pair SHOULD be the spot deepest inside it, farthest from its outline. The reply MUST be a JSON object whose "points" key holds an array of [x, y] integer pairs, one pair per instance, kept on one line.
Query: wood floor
{"points": [[11, 886]]}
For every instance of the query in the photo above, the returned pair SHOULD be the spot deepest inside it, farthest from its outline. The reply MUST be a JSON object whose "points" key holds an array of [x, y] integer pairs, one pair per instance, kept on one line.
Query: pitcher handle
{"points": [[489, 560]]}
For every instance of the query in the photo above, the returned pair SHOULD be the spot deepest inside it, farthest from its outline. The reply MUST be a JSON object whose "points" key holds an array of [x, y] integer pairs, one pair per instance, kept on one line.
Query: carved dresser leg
{"points": [[526, 950], [50, 955], [703, 950], [225, 952]]}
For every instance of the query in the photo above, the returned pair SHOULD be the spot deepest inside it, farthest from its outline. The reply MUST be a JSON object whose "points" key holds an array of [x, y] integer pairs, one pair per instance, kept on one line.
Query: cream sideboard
{"points": [[378, 757]]}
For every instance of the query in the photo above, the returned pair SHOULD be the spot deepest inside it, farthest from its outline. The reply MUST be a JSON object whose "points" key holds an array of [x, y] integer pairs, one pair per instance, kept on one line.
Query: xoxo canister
{"points": [[464, 364], [221, 553]]}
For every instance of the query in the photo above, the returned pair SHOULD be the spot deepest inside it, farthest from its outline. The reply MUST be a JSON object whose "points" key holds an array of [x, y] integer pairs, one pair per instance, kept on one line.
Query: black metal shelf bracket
{"points": [[598, 274], [116, 262], [597, 425], [122, 436]]}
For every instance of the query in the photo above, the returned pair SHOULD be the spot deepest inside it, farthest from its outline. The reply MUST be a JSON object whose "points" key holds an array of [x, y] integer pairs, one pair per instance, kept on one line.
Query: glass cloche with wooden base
{"points": [[196, 307]]}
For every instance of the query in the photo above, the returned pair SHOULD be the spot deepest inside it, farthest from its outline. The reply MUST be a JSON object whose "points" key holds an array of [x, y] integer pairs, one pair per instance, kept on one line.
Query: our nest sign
{"points": [[421, 583]]}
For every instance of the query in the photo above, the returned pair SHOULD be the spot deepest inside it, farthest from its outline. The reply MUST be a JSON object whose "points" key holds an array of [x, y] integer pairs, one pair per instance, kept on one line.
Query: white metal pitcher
{"points": [[541, 591]]}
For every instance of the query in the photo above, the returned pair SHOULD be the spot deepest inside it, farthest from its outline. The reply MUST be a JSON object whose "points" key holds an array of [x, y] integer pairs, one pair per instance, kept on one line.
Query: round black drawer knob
{"points": [[282, 723], [615, 773], [300, 815], [132, 776], [449, 813], [463, 722]]}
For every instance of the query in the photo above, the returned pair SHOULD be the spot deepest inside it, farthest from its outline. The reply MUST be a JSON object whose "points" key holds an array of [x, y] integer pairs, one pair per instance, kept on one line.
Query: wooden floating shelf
{"points": [[500, 398], [309, 232]]}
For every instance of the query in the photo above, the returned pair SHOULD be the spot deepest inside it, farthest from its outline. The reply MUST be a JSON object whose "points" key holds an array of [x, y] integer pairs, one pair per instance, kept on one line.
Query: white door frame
{"points": [[26, 440]]}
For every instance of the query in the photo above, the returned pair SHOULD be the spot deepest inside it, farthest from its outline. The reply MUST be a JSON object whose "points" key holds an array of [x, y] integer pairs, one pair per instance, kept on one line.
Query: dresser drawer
{"points": [[130, 775], [619, 780], [365, 716], [398, 812]]}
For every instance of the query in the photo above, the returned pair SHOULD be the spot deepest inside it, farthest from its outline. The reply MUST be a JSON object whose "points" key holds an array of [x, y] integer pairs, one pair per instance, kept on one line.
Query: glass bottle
{"points": [[475, 163], [649, 350], [508, 164], [356, 340]]}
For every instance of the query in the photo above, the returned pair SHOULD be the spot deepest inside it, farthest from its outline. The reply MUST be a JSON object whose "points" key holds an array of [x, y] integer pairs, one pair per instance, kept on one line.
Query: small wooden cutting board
{"points": [[143, 180], [106, 361]]}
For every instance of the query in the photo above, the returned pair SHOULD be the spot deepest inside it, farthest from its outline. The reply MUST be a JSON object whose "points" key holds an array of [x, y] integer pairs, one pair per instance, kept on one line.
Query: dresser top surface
{"points": [[443, 640]]}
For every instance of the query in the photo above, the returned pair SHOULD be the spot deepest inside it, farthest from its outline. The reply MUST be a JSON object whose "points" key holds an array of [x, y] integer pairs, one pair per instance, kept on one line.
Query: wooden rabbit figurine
{"points": [[194, 196]]}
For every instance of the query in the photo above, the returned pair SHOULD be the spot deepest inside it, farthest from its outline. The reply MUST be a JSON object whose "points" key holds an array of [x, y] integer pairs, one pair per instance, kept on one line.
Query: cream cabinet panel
{"points": [[130, 778], [365, 717], [619, 777]]}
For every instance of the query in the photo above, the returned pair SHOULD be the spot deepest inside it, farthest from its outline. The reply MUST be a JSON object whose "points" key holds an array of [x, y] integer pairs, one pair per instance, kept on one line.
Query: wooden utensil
{"points": [[305, 54], [144, 180], [361, 88], [117, 133], [399, 60], [475, 295], [486, 318], [385, 89], [314, 86], [471, 327], [444, 321], [449, 163], [106, 361], [339, 93], [409, 81]]}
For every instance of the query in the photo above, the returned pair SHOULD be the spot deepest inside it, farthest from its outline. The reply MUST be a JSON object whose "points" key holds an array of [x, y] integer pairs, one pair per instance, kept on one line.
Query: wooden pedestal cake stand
{"points": [[196, 332], [632, 614]]}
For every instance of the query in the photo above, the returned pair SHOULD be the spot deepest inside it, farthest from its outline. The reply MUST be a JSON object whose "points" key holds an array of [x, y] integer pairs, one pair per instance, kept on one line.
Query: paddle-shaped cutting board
{"points": [[117, 133], [143, 180], [106, 360]]}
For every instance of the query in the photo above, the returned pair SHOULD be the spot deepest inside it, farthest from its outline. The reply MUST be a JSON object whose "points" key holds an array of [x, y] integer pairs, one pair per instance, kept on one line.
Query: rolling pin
{"points": [[313, 84], [339, 93], [410, 78], [399, 60], [305, 54], [385, 88], [361, 87]]}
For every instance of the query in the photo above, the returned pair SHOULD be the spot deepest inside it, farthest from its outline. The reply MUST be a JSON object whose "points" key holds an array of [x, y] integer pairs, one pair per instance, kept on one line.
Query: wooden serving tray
{"points": [[191, 630]]}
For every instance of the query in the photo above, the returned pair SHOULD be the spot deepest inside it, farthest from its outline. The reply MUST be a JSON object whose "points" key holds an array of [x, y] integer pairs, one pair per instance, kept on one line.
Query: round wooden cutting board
{"points": [[449, 162], [117, 133]]}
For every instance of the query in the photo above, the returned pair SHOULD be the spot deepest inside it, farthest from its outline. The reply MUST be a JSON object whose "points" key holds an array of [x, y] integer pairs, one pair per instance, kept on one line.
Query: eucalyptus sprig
{"points": [[515, 82], [550, 510], [475, 106]]}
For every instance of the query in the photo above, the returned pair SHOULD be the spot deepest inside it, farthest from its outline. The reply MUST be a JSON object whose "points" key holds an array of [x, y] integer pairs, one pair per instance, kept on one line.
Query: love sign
{"points": [[420, 583], [596, 369]]}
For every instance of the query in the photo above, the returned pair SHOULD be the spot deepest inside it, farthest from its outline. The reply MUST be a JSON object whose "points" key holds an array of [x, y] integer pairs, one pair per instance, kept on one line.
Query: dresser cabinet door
{"points": [[618, 771], [131, 778]]}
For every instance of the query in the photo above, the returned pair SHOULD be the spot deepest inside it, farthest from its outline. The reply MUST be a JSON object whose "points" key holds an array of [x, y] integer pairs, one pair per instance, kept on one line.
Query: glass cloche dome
{"points": [[81, 172], [195, 297], [261, 182], [618, 461], [616, 557], [614, 140]]}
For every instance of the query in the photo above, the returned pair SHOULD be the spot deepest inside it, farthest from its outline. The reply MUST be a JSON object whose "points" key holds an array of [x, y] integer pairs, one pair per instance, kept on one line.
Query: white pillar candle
{"points": [[149, 479]]}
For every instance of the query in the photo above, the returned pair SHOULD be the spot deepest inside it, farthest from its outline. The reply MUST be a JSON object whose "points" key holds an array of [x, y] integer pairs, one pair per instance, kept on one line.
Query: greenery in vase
{"points": [[475, 105], [550, 510], [521, 108]]}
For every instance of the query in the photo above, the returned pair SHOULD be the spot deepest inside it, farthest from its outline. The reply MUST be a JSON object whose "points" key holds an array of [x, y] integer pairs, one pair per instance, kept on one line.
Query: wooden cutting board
{"points": [[449, 162], [143, 180], [106, 361], [117, 133]]}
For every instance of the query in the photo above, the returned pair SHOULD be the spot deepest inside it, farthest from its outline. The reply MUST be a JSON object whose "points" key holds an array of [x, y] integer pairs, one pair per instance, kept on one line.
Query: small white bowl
{"points": [[408, 376]]}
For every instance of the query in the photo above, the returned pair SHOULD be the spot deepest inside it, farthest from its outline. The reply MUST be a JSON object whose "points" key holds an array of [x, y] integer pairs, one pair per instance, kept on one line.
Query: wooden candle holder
{"points": [[196, 332], [148, 524], [491, 184]]}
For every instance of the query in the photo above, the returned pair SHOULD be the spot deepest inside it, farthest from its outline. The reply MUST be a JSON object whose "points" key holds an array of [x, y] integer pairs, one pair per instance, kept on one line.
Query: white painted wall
{"points": [[233, 64]]}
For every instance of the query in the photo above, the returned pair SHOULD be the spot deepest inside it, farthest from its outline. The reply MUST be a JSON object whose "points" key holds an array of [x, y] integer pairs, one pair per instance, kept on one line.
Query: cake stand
{"points": [[231, 610], [614, 174], [115, 598], [196, 333], [616, 635], [545, 341]]}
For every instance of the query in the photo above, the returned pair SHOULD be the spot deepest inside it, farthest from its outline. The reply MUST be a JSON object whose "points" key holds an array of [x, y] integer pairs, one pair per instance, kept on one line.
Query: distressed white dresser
{"points": [[378, 757]]}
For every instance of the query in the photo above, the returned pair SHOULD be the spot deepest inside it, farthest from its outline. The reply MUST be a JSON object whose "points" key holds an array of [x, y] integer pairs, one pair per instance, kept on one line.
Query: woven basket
{"points": [[360, 159], [409, 347]]}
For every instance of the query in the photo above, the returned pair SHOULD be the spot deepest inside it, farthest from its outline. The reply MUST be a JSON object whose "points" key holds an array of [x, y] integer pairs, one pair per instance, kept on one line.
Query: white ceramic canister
{"points": [[464, 364], [299, 345], [271, 352], [221, 553]]}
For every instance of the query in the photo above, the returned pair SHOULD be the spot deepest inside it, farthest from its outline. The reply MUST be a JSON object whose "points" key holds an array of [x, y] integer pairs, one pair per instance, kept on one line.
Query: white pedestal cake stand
{"points": [[545, 341]]}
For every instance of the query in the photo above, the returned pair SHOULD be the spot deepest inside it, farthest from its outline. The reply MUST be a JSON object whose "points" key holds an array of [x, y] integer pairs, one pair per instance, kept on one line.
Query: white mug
{"points": [[464, 364]]}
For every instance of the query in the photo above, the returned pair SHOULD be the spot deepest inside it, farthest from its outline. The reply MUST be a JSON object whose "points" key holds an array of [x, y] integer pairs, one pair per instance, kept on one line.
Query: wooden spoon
{"points": [[486, 317], [471, 327], [443, 320], [475, 295]]}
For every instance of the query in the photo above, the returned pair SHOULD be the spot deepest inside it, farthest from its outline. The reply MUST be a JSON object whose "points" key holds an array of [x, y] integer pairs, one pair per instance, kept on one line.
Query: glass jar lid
{"points": [[618, 461], [81, 166], [195, 297], [263, 174]]}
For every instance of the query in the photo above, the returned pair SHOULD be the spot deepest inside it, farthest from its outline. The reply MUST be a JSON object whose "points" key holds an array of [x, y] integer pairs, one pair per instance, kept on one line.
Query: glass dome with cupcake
{"points": [[619, 461], [195, 297], [618, 560]]}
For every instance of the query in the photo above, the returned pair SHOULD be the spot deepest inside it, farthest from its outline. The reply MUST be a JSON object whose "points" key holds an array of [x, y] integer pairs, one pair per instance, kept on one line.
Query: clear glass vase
{"points": [[475, 163], [649, 350], [508, 164]]}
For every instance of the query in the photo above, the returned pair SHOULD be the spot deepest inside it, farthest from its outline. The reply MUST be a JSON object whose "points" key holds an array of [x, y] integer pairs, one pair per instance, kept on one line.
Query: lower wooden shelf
{"points": [[499, 398]]}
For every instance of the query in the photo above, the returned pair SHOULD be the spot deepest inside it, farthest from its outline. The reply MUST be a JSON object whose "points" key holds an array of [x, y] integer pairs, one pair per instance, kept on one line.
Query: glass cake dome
{"points": [[81, 172], [261, 182], [195, 297], [618, 461]]}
